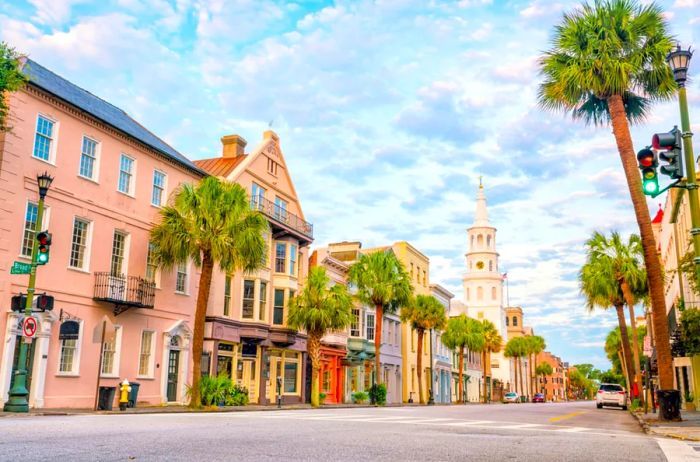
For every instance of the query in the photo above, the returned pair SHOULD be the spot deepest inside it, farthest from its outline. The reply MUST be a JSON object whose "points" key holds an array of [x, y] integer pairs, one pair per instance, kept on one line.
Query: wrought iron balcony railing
{"points": [[281, 215], [124, 291]]}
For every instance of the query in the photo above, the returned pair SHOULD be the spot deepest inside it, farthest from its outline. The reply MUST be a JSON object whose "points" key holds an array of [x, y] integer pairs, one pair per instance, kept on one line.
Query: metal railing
{"points": [[124, 290], [281, 215]]}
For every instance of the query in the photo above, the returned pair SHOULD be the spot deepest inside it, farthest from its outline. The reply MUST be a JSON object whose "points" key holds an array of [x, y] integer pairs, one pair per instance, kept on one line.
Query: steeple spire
{"points": [[481, 218]]}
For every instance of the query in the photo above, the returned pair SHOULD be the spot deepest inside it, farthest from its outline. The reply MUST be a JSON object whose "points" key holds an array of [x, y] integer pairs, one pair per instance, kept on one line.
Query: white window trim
{"points": [[151, 361], [117, 355], [132, 182], [44, 226], [76, 359], [127, 245], [54, 140], [164, 197], [187, 280], [96, 166], [88, 247], [156, 276]]}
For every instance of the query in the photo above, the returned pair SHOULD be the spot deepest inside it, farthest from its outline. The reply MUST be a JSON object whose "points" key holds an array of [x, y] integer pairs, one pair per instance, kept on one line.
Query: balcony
{"points": [[124, 291], [283, 222]]}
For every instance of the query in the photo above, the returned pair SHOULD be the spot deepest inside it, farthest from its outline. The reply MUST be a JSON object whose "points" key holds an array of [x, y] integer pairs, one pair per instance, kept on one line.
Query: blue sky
{"points": [[388, 112]]}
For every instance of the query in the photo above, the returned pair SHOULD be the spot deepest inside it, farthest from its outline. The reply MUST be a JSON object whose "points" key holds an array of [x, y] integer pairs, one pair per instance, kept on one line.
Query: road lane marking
{"points": [[469, 423], [571, 429], [677, 451], [519, 426], [566, 416]]}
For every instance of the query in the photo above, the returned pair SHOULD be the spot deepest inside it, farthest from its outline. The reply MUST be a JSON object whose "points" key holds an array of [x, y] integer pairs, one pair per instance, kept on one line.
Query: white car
{"points": [[511, 397], [611, 394]]}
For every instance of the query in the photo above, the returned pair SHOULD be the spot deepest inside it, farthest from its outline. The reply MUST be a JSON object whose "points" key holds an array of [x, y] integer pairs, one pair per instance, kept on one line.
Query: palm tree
{"points": [[382, 281], [613, 348], [209, 223], [424, 313], [606, 66], [492, 344], [516, 348], [318, 309], [536, 345], [601, 289], [463, 332], [543, 370]]}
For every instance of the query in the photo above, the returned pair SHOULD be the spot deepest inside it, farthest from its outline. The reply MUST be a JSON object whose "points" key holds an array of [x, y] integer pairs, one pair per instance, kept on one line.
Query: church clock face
{"points": [[480, 265]]}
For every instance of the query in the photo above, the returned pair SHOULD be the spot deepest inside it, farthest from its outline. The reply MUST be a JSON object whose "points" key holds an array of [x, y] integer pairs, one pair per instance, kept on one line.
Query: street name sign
{"points": [[19, 267]]}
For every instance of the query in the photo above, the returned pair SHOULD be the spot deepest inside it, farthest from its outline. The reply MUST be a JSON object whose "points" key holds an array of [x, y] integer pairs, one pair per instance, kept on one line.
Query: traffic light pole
{"points": [[691, 184], [17, 401]]}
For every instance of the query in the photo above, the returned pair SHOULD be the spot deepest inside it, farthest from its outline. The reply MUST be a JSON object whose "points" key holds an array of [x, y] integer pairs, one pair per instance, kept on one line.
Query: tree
{"points": [[606, 66], [516, 348], [209, 223], [318, 309], [601, 289], [544, 370], [463, 332], [11, 79], [690, 331], [535, 346], [625, 260], [589, 371], [424, 313], [492, 344], [383, 282]]}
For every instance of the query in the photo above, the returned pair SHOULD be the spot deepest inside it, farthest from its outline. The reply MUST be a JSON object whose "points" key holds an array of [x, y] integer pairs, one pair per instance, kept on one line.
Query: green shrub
{"points": [[236, 396], [360, 397], [636, 405], [377, 394], [221, 391], [322, 397]]}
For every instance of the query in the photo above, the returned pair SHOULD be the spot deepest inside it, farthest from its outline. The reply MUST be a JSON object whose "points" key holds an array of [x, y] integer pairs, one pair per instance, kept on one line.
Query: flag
{"points": [[505, 276]]}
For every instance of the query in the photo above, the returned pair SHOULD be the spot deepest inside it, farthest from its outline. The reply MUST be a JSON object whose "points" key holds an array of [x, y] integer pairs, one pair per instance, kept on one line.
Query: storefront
{"points": [[331, 376]]}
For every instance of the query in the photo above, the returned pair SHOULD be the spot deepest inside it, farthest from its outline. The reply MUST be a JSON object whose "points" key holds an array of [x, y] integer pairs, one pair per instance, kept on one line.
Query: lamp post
{"points": [[17, 401], [431, 399]]}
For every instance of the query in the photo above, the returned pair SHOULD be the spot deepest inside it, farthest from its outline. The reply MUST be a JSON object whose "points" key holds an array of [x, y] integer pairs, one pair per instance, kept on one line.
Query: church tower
{"points": [[483, 281]]}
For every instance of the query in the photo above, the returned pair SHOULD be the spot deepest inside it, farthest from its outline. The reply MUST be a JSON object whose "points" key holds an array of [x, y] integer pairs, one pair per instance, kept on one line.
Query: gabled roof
{"points": [[59, 87], [219, 166]]}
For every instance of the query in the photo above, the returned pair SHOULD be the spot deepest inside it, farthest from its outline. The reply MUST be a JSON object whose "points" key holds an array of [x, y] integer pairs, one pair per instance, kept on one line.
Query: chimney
{"points": [[267, 134], [234, 145]]}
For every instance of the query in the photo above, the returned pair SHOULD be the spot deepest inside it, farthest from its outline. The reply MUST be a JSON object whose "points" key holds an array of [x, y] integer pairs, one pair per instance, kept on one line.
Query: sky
{"points": [[388, 112]]}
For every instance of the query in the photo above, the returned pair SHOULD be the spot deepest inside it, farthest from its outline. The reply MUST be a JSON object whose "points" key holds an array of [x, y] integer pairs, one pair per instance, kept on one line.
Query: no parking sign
{"points": [[29, 327]]}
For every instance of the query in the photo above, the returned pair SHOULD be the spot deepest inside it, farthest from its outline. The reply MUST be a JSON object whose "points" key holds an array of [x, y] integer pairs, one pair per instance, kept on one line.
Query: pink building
{"points": [[111, 177]]}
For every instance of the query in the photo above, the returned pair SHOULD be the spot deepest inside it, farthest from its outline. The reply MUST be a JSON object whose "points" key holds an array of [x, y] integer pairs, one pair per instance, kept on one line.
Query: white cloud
{"points": [[53, 12], [686, 3]]}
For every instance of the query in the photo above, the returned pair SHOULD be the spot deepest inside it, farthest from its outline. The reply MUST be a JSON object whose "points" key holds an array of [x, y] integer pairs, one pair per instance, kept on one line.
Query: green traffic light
{"points": [[42, 258], [651, 187]]}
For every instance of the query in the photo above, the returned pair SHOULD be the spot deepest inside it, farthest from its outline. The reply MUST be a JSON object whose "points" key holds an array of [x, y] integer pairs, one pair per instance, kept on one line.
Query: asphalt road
{"points": [[543, 432]]}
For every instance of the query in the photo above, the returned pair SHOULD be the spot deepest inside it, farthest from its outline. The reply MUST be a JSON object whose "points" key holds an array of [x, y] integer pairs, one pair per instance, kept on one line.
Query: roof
{"points": [[219, 166], [659, 216], [100, 109]]}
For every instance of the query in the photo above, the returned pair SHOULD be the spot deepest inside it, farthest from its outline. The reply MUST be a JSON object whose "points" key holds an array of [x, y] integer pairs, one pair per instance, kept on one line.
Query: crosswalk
{"points": [[679, 451], [402, 419]]}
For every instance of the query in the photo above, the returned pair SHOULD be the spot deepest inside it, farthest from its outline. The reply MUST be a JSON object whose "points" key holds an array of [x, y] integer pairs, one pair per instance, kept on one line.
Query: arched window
{"points": [[472, 242], [467, 293], [479, 293], [515, 321], [480, 240], [488, 241], [507, 321], [493, 293], [490, 265]]}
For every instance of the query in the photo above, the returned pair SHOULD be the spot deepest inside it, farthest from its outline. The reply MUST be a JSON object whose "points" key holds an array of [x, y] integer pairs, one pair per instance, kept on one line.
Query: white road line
{"points": [[678, 451], [470, 423], [572, 429], [520, 426]]}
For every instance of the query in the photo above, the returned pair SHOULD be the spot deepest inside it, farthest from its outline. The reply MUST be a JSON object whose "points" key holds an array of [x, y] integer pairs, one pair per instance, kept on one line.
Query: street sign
{"points": [[19, 267], [29, 327]]}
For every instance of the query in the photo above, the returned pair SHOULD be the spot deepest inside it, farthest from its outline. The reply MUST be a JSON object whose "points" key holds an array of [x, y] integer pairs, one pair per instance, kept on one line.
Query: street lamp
{"points": [[431, 399], [17, 401], [679, 60]]}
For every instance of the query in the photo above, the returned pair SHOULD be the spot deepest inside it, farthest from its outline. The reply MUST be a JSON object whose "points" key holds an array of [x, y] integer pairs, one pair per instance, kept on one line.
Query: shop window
{"points": [[326, 381], [278, 310], [248, 298], [291, 366]]}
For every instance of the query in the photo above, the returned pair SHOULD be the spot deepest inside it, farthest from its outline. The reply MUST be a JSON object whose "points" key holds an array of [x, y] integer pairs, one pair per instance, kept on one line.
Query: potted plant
{"points": [[322, 397], [689, 401]]}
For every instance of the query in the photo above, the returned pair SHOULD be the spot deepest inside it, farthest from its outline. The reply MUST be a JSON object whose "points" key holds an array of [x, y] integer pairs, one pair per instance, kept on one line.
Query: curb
{"points": [[649, 431], [642, 422]]}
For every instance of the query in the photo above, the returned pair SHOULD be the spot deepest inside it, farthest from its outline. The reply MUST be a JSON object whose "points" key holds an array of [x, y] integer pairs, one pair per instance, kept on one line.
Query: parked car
{"points": [[538, 398], [511, 397], [611, 394]]}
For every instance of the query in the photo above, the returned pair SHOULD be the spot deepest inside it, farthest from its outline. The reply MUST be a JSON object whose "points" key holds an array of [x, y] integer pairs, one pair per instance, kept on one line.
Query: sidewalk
{"points": [[688, 429]]}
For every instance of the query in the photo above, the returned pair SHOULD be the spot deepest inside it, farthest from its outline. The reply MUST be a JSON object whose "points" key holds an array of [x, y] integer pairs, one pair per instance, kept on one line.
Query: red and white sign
{"points": [[29, 327]]}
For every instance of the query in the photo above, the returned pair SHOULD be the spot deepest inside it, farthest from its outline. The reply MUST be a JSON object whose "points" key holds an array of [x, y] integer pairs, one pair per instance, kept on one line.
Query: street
{"points": [[574, 431]]}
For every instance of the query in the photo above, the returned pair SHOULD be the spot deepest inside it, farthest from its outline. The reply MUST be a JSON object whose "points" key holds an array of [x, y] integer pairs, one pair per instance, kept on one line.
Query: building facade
{"points": [[516, 328], [246, 333], [442, 356], [111, 177], [553, 386]]}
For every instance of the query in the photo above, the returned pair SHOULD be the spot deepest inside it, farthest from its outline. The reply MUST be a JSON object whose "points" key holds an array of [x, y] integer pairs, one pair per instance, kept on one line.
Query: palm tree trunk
{"points": [[488, 368], [624, 368], [460, 387], [483, 369], [520, 371], [378, 343], [651, 259], [625, 341], [200, 315], [314, 347], [419, 366], [635, 340], [534, 373]]}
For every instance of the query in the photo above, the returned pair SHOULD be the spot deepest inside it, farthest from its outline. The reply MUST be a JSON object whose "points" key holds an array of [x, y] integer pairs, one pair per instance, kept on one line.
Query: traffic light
{"points": [[44, 302], [670, 150], [647, 164], [44, 240], [19, 302]]}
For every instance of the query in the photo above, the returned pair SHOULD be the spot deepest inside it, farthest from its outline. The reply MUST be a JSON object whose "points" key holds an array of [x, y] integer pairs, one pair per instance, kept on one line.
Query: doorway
{"points": [[246, 376], [173, 372]]}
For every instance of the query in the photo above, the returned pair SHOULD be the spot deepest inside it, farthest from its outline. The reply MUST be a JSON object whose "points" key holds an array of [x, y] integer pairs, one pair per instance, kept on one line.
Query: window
{"points": [[425, 278], [272, 166], [29, 229], [146, 353], [248, 298], [126, 169], [488, 241], [151, 267], [79, 244], [493, 293], [181, 278], [118, 253], [158, 188], [397, 332], [479, 293], [291, 365], [370, 326], [515, 321], [88, 156], [490, 265], [227, 295], [110, 354], [280, 209], [69, 336], [292, 259], [263, 300], [257, 196], [506, 321], [278, 310], [355, 325], [43, 139], [280, 257]]}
